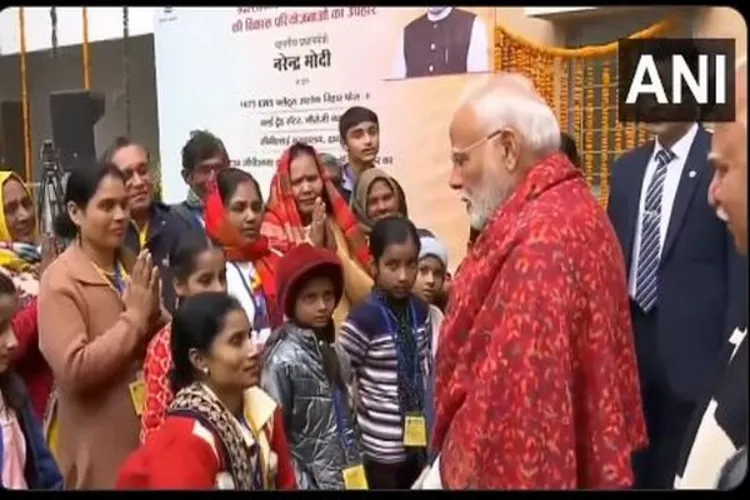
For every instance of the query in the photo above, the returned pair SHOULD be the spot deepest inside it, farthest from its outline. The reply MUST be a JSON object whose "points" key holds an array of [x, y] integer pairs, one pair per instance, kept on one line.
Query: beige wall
{"points": [[723, 22]]}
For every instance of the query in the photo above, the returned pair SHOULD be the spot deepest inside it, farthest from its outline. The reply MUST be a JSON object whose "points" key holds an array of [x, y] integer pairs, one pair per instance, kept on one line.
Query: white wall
{"points": [[105, 23]]}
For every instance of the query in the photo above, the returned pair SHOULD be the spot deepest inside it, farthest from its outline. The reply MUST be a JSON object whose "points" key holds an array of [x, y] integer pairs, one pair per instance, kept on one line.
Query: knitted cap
{"points": [[431, 247], [298, 265]]}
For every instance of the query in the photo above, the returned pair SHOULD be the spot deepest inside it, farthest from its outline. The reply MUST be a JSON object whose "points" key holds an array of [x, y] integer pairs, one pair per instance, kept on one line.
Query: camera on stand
{"points": [[50, 200]]}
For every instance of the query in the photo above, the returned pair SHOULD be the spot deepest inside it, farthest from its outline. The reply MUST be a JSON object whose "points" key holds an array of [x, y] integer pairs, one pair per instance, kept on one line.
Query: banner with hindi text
{"points": [[261, 78]]}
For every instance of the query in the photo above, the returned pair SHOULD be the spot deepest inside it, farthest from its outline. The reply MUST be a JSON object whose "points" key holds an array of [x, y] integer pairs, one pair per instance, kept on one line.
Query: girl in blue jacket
{"points": [[25, 461]]}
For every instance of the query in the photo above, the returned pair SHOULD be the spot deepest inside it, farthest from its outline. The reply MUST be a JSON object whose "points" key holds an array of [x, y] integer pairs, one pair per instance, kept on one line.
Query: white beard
{"points": [[482, 206]]}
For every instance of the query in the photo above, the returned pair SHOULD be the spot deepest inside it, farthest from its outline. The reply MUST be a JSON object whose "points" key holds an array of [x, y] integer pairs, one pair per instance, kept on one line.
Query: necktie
{"points": [[646, 281]]}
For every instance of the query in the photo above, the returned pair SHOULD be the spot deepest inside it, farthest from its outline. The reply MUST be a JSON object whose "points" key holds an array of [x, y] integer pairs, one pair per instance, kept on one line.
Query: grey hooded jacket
{"points": [[293, 375]]}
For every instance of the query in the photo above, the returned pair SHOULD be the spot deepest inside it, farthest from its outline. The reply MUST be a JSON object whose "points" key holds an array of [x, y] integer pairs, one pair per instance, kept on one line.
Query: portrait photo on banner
{"points": [[438, 41]]}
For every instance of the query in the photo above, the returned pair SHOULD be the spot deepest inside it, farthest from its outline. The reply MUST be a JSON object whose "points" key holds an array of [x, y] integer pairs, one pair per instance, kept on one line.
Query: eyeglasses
{"points": [[459, 157]]}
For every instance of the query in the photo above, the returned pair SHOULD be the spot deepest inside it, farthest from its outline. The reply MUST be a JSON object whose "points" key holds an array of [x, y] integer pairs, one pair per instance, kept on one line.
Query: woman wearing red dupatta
{"points": [[233, 212], [306, 207]]}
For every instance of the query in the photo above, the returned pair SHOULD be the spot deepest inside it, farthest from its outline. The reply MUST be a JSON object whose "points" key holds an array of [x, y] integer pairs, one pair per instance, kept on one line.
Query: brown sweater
{"points": [[95, 352]]}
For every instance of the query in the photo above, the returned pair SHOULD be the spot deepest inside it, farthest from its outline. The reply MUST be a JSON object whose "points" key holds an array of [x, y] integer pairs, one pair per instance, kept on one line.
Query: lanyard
{"points": [[117, 279], [142, 234], [258, 471], [260, 319], [346, 432], [409, 370]]}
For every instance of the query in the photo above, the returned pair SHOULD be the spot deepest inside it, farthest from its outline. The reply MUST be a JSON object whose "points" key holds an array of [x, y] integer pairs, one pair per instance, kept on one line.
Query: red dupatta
{"points": [[259, 252], [283, 225]]}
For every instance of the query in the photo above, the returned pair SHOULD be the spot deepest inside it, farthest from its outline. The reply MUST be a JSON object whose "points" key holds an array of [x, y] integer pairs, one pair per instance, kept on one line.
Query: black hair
{"points": [[10, 387], [353, 117], [201, 146], [425, 233], [7, 287], [300, 149], [119, 143], [82, 185], [568, 146], [392, 230], [195, 325], [229, 179], [184, 254]]}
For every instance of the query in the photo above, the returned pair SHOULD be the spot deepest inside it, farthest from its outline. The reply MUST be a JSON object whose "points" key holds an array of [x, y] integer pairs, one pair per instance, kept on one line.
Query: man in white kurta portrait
{"points": [[442, 41]]}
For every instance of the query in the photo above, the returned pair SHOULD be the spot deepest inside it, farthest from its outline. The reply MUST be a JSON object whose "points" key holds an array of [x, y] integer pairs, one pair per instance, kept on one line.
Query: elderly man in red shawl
{"points": [[305, 206], [536, 380]]}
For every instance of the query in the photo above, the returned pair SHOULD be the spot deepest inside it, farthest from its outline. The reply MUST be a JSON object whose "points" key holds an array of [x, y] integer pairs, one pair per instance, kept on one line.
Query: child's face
{"points": [[209, 275], [430, 278], [397, 268], [315, 302], [8, 341]]}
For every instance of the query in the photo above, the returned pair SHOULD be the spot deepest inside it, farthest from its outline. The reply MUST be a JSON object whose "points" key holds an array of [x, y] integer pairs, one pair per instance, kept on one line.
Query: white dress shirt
{"points": [[681, 149], [712, 447], [477, 58]]}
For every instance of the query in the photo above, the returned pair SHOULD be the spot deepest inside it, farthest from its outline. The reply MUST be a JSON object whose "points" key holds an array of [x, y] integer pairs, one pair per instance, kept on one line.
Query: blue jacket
{"points": [[41, 470]]}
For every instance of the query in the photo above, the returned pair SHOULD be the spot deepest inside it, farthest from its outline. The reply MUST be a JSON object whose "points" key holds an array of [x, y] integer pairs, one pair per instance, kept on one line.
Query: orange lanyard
{"points": [[117, 279]]}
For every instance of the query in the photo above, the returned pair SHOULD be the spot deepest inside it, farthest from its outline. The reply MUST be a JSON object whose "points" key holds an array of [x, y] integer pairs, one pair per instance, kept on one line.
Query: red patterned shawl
{"points": [[282, 223], [536, 378], [259, 253]]}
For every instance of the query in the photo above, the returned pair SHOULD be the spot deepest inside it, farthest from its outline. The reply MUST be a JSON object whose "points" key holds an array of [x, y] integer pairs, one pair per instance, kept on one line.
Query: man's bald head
{"points": [[740, 89], [727, 192], [500, 129]]}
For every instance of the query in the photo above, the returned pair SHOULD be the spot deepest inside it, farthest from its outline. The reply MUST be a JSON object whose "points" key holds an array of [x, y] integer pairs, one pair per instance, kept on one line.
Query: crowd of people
{"points": [[317, 340]]}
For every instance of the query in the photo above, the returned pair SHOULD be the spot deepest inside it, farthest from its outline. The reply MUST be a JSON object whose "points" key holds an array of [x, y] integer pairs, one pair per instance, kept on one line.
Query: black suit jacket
{"points": [[702, 279], [165, 230]]}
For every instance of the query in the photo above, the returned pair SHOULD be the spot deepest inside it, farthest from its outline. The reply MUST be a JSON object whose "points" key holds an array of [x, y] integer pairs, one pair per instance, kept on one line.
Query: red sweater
{"points": [[159, 395], [28, 361], [178, 456]]}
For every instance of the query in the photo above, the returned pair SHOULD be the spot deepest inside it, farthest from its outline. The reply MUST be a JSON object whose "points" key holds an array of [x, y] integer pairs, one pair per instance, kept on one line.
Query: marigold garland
{"points": [[564, 84], [578, 102], [605, 153], [588, 133], [551, 70]]}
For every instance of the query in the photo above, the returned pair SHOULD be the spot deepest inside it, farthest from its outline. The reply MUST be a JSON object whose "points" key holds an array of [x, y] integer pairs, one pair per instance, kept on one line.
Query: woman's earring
{"points": [[205, 371]]}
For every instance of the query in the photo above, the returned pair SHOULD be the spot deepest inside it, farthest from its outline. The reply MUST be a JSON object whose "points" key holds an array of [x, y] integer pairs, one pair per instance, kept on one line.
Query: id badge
{"points": [[415, 431], [138, 394], [355, 478]]}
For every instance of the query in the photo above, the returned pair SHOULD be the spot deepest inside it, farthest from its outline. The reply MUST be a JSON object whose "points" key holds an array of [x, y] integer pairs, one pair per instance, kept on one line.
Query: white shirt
{"points": [[712, 447], [681, 149], [237, 288], [477, 57]]}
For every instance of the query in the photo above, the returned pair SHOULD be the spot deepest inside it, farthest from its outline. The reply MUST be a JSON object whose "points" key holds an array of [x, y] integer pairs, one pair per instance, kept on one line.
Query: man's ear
{"points": [[509, 146], [185, 176]]}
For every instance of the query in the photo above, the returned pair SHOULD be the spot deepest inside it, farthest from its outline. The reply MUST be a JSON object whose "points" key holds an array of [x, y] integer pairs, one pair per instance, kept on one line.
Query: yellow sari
{"points": [[21, 271]]}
